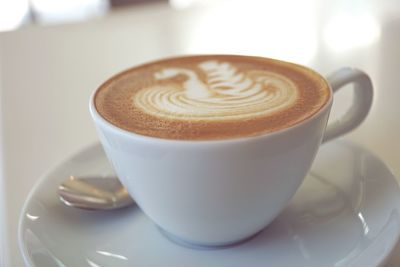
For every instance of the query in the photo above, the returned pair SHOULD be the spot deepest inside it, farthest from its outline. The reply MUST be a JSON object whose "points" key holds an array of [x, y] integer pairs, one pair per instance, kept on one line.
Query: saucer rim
{"points": [[21, 245]]}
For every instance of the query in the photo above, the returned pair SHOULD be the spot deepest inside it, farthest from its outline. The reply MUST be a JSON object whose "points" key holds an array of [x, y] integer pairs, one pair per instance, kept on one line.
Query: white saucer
{"points": [[346, 213]]}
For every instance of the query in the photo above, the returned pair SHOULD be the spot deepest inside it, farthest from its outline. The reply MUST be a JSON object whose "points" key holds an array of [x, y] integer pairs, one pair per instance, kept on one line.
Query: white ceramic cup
{"points": [[219, 192]]}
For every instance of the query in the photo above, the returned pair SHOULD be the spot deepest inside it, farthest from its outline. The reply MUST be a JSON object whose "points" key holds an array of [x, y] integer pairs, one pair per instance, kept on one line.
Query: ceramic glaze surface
{"points": [[346, 213]]}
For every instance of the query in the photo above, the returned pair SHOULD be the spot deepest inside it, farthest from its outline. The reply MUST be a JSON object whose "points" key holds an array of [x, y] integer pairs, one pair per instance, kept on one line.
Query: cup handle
{"points": [[362, 101]]}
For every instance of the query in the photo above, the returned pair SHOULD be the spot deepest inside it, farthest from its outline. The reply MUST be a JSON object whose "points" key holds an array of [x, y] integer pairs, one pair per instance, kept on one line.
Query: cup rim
{"points": [[96, 116]]}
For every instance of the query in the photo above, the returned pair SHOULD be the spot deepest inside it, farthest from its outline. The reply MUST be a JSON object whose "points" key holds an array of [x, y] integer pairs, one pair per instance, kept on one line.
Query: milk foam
{"points": [[216, 90]]}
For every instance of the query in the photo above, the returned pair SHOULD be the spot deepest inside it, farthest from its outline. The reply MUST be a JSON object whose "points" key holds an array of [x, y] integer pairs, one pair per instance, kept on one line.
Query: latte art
{"points": [[225, 93], [211, 97]]}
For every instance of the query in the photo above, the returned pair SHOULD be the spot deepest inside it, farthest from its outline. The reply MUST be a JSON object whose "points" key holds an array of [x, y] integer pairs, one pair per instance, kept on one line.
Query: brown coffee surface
{"points": [[211, 97]]}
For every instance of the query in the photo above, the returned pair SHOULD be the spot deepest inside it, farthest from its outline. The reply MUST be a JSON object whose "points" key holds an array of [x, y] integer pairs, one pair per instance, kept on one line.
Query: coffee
{"points": [[211, 97]]}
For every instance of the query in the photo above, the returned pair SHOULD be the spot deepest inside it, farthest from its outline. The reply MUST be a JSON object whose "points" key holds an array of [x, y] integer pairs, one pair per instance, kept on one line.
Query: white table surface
{"points": [[47, 74]]}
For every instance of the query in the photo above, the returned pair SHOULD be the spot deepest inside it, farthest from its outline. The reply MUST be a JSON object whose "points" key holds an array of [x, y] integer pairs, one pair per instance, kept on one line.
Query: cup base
{"points": [[200, 246]]}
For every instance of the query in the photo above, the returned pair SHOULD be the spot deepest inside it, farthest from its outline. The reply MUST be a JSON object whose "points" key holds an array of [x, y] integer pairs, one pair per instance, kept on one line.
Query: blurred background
{"points": [[54, 53], [285, 29]]}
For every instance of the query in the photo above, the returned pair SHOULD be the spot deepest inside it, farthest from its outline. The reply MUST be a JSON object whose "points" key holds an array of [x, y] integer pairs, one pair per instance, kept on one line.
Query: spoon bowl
{"points": [[94, 193]]}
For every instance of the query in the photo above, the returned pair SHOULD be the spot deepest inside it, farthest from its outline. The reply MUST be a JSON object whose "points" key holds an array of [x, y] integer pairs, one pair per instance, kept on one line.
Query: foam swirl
{"points": [[223, 93]]}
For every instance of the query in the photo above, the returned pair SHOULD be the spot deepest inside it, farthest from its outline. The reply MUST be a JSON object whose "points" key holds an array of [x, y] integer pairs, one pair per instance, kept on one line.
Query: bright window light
{"points": [[282, 29], [13, 13], [50, 11], [351, 31]]}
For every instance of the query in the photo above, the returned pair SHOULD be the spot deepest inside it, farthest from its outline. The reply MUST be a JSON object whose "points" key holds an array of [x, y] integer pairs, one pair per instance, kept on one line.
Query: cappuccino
{"points": [[211, 97]]}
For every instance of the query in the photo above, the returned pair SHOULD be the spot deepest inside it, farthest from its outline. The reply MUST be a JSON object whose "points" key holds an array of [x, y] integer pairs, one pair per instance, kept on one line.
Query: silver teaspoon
{"points": [[94, 193]]}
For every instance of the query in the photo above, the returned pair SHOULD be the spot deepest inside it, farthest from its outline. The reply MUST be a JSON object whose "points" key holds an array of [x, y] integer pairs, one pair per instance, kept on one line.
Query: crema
{"points": [[211, 97]]}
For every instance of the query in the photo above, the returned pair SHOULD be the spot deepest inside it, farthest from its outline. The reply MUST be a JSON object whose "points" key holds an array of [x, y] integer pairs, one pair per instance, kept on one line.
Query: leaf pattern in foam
{"points": [[225, 79]]}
